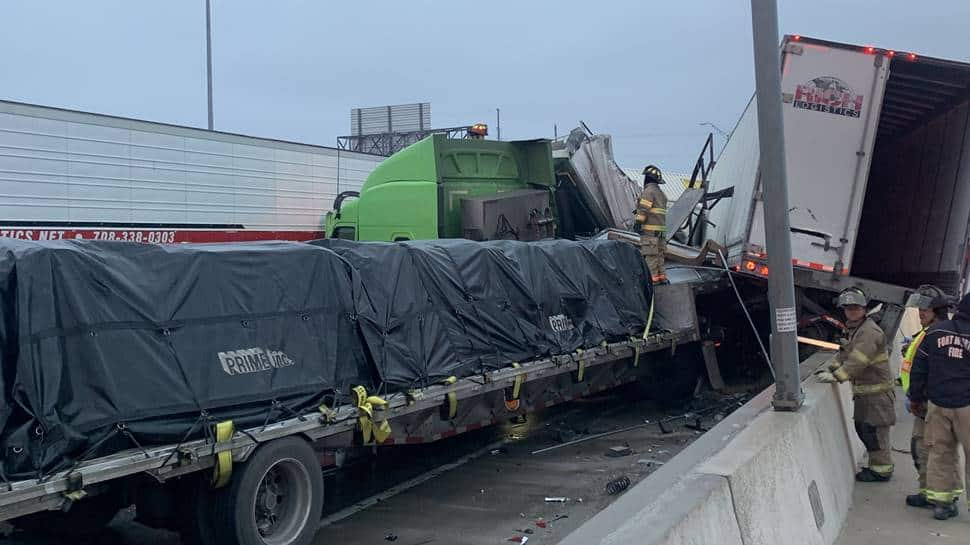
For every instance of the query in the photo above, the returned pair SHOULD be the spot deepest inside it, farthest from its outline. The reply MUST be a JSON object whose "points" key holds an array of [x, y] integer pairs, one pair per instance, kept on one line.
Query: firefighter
{"points": [[940, 386], [651, 218], [932, 304], [864, 361]]}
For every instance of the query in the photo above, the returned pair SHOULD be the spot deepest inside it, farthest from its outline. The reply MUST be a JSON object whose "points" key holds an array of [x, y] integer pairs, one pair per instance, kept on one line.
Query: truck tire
{"points": [[275, 498]]}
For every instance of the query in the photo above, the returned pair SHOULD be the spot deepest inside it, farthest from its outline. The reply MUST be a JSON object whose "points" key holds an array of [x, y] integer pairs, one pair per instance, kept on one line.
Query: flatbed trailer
{"points": [[156, 478]]}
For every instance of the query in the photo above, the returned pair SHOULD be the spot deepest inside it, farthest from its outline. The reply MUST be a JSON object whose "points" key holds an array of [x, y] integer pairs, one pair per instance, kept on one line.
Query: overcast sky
{"points": [[648, 72]]}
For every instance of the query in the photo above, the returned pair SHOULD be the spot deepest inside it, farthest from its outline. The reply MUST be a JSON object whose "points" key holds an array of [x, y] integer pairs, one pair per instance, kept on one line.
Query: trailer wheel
{"points": [[276, 497]]}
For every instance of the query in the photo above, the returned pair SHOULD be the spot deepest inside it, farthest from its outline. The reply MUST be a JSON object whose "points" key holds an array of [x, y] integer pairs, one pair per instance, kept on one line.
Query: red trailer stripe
{"points": [[171, 235]]}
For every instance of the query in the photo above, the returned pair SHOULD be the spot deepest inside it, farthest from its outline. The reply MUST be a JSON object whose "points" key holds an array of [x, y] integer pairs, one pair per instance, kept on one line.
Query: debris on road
{"points": [[617, 485], [519, 539], [390, 537], [649, 462], [556, 499], [618, 451], [591, 437]]}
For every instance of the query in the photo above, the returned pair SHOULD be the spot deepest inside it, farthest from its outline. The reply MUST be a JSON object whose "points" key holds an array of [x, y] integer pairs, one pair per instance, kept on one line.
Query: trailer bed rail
{"points": [[166, 462]]}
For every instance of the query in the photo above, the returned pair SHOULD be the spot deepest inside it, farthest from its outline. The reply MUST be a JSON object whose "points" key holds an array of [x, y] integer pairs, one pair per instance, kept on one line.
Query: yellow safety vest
{"points": [[908, 358]]}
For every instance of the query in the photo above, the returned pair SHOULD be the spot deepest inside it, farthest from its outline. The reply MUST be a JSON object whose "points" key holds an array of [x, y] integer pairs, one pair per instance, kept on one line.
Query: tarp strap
{"points": [[413, 396], [120, 427], [365, 405], [75, 486], [223, 469], [328, 415], [517, 382], [451, 399], [580, 366], [178, 446], [646, 332], [123, 428]]}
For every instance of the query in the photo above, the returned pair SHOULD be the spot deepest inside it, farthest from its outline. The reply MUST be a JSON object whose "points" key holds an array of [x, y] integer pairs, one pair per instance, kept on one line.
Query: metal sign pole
{"points": [[774, 177], [208, 58]]}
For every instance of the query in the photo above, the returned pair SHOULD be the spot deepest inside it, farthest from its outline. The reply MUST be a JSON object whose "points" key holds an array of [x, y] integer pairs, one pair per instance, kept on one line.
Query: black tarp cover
{"points": [[100, 334], [454, 308]]}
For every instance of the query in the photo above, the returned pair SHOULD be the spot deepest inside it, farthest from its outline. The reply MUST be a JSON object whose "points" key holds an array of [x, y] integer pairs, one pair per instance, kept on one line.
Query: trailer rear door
{"points": [[831, 99]]}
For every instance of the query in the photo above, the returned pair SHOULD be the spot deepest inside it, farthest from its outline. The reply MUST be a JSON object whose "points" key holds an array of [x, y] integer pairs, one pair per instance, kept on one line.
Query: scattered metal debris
{"points": [[693, 418], [617, 485], [390, 537], [556, 499], [591, 437]]}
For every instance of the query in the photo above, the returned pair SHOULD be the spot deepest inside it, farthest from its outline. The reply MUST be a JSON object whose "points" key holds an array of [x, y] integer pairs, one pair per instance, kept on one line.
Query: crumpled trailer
{"points": [[256, 480]]}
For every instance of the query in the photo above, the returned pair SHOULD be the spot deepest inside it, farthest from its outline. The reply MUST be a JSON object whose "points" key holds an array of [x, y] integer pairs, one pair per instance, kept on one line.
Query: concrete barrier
{"points": [[758, 477]]}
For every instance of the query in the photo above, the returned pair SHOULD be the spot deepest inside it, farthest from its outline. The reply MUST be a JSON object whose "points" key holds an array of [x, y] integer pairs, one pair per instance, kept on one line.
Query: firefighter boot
{"points": [[945, 511], [917, 500]]}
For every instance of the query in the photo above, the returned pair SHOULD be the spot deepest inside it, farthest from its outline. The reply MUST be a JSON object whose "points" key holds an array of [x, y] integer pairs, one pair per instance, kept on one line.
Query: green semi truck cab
{"points": [[451, 188]]}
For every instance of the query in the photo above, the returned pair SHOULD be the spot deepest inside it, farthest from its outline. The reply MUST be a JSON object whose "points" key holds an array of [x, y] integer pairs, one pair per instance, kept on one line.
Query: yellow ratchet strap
{"points": [[451, 398], [223, 470], [365, 410]]}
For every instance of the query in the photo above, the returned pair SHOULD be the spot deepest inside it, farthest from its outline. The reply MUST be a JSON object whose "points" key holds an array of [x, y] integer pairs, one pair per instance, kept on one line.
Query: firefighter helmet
{"points": [[852, 296], [928, 297], [652, 174]]}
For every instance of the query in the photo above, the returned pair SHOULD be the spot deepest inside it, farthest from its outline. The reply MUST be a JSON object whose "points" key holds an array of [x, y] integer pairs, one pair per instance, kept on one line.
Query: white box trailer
{"points": [[878, 172], [69, 174]]}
